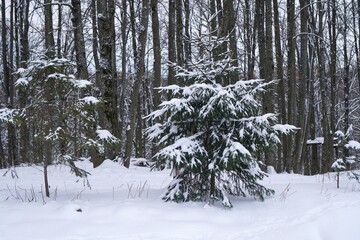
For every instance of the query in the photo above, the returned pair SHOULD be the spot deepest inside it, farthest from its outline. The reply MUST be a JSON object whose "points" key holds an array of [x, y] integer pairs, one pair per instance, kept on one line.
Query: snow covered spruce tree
{"points": [[349, 149], [61, 114], [213, 135]]}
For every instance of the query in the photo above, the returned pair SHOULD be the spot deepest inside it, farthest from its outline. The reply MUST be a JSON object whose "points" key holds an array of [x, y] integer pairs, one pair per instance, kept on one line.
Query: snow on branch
{"points": [[285, 128], [105, 136], [182, 147], [8, 115], [89, 100], [353, 145]]}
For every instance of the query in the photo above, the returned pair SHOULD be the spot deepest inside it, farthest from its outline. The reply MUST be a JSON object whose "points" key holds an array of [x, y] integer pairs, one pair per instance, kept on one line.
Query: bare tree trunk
{"points": [[229, 24], [139, 146], [124, 79], [49, 30], [291, 78], [333, 56], [12, 144], [171, 42], [213, 23], [356, 41], [106, 28], [95, 44], [328, 142], [46, 147], [79, 42], [303, 80], [260, 26], [94, 154], [179, 33], [187, 47], [46, 181], [81, 63], [281, 86], [156, 49], [2, 154], [328, 122], [59, 29], [140, 69], [8, 78], [248, 38], [346, 75], [269, 73], [24, 140]]}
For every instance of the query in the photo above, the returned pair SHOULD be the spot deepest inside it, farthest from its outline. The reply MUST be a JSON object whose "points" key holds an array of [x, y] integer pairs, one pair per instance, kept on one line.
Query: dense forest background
{"points": [[79, 77]]}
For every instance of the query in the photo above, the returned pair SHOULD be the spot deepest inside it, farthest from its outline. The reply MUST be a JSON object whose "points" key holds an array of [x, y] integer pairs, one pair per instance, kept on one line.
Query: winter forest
{"points": [[170, 119], [218, 91]]}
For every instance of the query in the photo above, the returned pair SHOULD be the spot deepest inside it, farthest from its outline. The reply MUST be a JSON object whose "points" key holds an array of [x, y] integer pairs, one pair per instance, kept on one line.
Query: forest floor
{"points": [[126, 204]]}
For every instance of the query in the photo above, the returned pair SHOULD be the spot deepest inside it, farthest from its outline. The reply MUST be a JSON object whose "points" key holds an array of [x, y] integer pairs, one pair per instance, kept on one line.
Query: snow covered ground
{"points": [[126, 204]]}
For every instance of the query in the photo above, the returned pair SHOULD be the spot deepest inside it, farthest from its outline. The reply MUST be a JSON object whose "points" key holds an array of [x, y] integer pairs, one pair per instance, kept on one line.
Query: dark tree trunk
{"points": [[281, 87], [303, 80], [140, 70], [179, 33], [249, 36], [59, 30], [124, 78], [329, 122], [356, 41], [95, 45], [49, 30], [171, 42], [346, 76], [269, 73], [24, 140], [156, 49], [291, 78], [325, 122], [230, 31], [187, 47], [2, 154], [79, 42], [106, 28]]}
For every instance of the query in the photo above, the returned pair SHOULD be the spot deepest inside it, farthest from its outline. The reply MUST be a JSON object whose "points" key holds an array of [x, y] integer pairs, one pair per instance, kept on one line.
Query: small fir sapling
{"points": [[213, 135]]}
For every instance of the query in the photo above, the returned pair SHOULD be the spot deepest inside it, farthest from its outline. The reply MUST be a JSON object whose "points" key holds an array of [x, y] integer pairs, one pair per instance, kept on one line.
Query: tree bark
{"points": [[106, 32], [156, 50], [346, 75], [281, 99], [291, 78], [2, 153], [229, 26], [49, 30], [124, 79], [79, 42], [325, 122], [23, 31], [187, 47], [59, 30], [171, 43], [179, 33], [139, 70], [302, 97]]}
